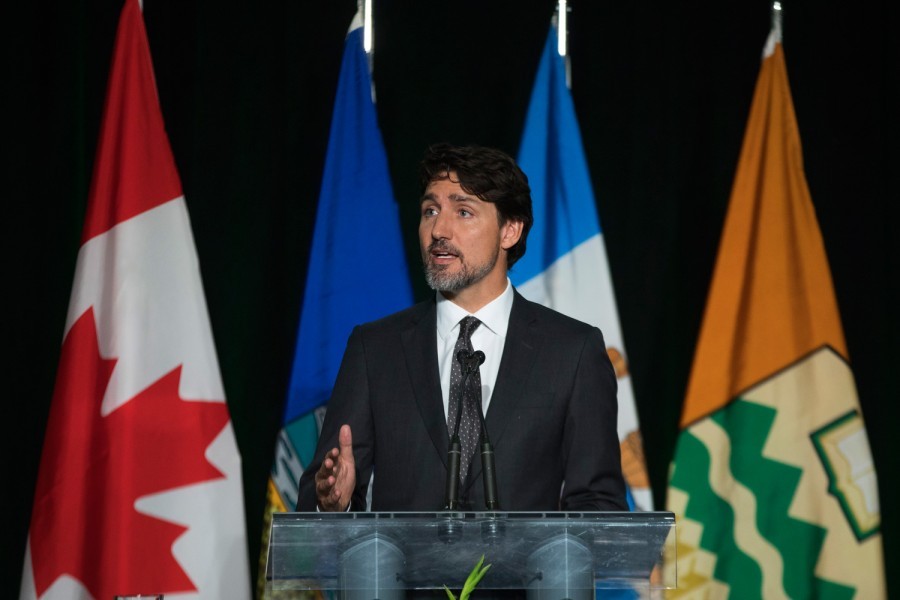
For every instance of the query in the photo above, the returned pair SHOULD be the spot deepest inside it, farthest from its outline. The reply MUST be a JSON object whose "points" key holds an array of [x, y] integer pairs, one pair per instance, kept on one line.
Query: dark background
{"points": [[662, 92]]}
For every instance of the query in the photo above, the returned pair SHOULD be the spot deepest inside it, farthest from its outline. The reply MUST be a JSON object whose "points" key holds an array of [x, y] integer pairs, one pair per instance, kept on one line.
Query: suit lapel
{"points": [[420, 348], [519, 354]]}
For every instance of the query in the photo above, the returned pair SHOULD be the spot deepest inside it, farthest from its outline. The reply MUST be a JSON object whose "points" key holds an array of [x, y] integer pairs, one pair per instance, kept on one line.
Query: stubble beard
{"points": [[439, 279]]}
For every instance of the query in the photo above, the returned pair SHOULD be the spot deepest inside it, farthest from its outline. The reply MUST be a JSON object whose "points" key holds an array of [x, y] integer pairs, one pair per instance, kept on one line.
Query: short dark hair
{"points": [[491, 175]]}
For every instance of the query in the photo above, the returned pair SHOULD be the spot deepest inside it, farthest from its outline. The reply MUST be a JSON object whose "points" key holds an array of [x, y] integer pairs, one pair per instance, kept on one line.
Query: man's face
{"points": [[461, 237]]}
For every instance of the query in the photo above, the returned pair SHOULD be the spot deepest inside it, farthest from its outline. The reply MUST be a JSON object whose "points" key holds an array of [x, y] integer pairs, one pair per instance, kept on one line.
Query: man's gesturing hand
{"points": [[336, 478]]}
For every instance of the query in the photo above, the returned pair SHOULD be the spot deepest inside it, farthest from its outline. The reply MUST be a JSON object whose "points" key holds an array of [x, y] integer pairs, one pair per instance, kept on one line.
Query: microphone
{"points": [[469, 363], [472, 360]]}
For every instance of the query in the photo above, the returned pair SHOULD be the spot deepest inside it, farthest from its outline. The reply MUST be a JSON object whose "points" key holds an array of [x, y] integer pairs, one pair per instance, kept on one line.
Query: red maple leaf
{"points": [[94, 468]]}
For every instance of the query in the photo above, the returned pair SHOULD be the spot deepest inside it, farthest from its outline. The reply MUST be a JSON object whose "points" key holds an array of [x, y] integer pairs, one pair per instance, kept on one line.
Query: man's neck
{"points": [[474, 298]]}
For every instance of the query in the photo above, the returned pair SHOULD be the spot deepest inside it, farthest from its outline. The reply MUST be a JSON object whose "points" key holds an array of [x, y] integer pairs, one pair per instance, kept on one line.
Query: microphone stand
{"points": [[454, 454], [488, 472]]}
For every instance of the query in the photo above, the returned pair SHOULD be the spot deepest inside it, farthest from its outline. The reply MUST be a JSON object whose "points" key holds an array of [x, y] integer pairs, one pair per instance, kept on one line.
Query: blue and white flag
{"points": [[357, 266], [565, 267]]}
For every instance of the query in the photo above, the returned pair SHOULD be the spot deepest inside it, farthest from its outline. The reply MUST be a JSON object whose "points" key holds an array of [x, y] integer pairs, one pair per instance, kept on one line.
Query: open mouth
{"points": [[443, 252]]}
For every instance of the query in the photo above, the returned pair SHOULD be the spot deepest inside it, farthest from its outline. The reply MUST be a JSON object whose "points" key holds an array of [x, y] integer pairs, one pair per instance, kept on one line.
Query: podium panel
{"points": [[550, 554]]}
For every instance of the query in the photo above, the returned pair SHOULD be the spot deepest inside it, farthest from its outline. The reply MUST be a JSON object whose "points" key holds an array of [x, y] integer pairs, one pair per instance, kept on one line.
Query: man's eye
{"points": [[464, 213], [429, 212]]}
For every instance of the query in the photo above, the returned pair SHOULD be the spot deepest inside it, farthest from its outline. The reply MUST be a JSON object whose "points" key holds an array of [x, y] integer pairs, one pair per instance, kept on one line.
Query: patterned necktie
{"points": [[469, 424]]}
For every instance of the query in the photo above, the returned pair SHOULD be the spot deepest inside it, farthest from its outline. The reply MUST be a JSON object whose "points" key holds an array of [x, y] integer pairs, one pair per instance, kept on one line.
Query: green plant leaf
{"points": [[474, 577], [471, 581]]}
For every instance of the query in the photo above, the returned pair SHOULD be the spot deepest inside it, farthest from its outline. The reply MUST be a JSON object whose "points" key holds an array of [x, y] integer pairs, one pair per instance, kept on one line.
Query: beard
{"points": [[440, 279]]}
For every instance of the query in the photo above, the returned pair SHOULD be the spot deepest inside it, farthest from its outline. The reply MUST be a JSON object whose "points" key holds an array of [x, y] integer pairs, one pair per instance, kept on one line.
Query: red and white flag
{"points": [[139, 490]]}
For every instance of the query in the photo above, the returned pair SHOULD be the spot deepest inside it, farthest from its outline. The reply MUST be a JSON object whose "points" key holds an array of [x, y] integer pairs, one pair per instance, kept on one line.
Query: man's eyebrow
{"points": [[462, 197], [454, 197]]}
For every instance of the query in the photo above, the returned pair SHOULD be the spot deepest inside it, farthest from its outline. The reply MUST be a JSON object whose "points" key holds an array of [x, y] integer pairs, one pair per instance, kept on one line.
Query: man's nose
{"points": [[441, 228]]}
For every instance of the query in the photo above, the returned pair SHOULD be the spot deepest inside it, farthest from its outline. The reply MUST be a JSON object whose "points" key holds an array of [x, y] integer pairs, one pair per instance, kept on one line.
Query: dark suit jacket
{"points": [[552, 417]]}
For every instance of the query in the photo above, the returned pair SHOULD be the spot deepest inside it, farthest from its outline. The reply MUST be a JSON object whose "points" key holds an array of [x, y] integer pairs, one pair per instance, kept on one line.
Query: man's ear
{"points": [[510, 232]]}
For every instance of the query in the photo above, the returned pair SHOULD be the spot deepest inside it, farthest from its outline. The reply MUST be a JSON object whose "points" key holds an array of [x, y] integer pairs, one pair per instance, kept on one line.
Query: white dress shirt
{"points": [[489, 337]]}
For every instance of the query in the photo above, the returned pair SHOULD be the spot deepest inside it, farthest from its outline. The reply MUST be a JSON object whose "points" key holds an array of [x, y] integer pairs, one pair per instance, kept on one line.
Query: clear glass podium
{"points": [[551, 555]]}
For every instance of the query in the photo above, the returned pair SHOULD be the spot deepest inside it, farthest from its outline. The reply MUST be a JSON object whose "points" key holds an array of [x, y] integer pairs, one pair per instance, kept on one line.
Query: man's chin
{"points": [[441, 285], [439, 279]]}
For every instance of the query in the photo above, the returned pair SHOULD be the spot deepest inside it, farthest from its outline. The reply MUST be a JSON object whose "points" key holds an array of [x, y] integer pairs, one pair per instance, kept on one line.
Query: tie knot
{"points": [[467, 326]]}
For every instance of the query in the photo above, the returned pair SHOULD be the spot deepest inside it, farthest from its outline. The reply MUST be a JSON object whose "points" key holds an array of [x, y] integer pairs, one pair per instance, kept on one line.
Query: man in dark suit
{"points": [[547, 385]]}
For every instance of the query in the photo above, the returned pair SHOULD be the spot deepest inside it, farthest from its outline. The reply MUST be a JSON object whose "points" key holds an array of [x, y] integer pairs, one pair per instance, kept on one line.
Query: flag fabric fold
{"points": [[357, 267], [773, 483], [566, 266], [139, 489]]}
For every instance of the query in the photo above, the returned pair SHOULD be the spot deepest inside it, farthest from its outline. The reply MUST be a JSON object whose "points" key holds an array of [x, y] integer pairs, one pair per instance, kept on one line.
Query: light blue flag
{"points": [[357, 266], [566, 267]]}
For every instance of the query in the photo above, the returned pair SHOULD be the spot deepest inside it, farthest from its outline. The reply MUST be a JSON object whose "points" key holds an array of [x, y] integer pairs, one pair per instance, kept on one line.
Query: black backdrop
{"points": [[662, 93]]}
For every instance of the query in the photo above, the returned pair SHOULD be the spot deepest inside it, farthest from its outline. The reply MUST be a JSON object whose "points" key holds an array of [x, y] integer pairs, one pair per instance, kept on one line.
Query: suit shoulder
{"points": [[556, 320], [398, 320]]}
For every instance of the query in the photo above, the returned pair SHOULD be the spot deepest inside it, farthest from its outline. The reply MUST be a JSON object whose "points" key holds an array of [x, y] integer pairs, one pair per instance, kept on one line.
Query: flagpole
{"points": [[366, 9], [776, 19], [775, 31], [561, 21]]}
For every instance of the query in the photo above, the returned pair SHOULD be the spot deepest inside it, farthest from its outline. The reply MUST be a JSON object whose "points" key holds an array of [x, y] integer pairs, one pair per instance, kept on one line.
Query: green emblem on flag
{"points": [[843, 447]]}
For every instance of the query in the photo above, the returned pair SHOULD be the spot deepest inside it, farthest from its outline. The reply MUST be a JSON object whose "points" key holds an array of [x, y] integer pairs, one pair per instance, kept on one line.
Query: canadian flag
{"points": [[139, 489]]}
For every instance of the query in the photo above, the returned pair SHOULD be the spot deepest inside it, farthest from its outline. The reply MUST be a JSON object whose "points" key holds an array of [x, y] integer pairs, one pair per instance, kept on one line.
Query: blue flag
{"points": [[357, 266], [566, 267]]}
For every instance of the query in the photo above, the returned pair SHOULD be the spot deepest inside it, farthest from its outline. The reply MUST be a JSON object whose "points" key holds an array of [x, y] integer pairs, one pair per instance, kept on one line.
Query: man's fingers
{"points": [[345, 438], [325, 486], [328, 464], [338, 462]]}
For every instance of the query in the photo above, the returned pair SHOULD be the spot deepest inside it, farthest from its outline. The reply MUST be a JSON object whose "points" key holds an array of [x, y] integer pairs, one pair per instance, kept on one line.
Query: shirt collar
{"points": [[494, 315]]}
